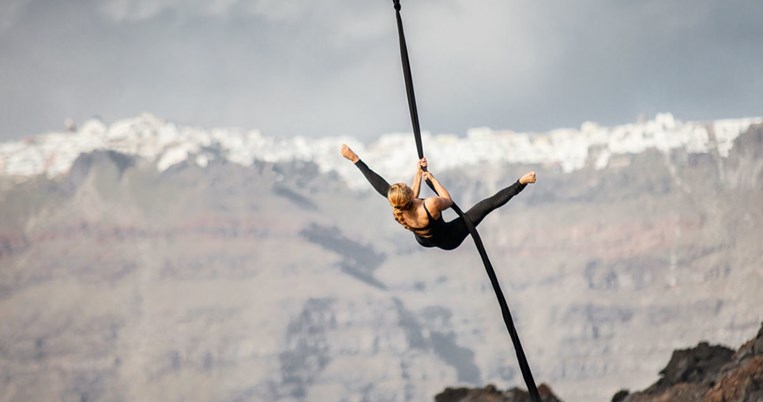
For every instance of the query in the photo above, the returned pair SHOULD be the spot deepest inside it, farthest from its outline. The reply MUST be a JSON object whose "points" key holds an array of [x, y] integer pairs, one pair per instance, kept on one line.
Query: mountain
{"points": [[148, 261]]}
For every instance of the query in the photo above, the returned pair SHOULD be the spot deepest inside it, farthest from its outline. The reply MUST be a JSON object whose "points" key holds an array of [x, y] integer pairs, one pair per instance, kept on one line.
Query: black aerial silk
{"points": [[523, 365]]}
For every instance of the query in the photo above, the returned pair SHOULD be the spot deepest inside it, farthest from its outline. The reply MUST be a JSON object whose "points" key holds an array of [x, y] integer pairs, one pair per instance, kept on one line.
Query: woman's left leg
{"points": [[456, 230], [480, 210]]}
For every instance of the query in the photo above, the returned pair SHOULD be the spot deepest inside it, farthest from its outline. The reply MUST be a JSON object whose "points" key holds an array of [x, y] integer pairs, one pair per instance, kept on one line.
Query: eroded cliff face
{"points": [[277, 282]]}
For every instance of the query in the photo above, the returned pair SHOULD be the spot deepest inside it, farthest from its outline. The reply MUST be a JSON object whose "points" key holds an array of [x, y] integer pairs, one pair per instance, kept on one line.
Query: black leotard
{"points": [[447, 235], [433, 229]]}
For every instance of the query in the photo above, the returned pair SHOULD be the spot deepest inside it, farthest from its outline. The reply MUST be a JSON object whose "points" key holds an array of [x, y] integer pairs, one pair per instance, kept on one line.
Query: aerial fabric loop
{"points": [[523, 365]]}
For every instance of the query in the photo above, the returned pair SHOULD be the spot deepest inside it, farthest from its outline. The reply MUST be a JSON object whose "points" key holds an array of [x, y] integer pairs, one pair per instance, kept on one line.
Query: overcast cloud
{"points": [[330, 67]]}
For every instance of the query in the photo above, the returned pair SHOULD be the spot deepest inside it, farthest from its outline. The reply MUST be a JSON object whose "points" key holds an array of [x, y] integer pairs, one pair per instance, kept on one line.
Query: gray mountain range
{"points": [[278, 282]]}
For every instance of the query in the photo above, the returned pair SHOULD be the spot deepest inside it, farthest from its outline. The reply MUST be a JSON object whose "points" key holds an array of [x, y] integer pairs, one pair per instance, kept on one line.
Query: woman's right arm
{"points": [[443, 200]]}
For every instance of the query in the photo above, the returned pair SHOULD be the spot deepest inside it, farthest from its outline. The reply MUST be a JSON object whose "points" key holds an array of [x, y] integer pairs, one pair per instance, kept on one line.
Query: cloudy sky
{"points": [[331, 67]]}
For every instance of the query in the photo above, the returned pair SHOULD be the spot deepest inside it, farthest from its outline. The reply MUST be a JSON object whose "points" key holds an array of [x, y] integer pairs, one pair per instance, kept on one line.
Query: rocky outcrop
{"points": [[708, 374], [705, 373], [492, 394]]}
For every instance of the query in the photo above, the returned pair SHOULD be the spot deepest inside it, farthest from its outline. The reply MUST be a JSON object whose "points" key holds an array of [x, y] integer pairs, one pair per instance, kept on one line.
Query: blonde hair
{"points": [[400, 196]]}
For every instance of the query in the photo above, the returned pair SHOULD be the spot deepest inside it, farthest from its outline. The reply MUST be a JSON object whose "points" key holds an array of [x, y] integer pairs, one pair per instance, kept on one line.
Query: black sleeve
{"points": [[380, 185]]}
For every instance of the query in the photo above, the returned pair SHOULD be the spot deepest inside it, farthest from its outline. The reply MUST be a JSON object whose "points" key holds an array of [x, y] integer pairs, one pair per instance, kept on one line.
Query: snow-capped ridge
{"points": [[166, 144]]}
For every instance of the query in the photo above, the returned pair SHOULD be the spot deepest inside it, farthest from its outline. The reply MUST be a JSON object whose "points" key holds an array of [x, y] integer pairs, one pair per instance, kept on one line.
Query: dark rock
{"points": [[452, 395], [492, 394], [743, 384], [620, 395], [708, 374], [704, 373], [757, 346], [697, 365]]}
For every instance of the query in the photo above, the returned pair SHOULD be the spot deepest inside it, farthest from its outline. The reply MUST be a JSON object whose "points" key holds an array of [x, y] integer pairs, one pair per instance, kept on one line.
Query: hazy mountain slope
{"points": [[275, 282]]}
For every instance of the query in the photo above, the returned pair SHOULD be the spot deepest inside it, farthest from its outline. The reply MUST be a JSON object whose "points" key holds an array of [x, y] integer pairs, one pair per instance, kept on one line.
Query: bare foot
{"points": [[527, 178], [349, 154]]}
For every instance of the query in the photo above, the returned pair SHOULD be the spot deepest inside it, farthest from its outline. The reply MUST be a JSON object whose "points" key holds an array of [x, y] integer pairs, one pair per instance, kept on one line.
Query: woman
{"points": [[424, 216]]}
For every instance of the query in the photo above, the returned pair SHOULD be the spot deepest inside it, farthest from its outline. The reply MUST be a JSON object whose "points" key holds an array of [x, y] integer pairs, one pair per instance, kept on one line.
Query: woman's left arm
{"points": [[416, 186]]}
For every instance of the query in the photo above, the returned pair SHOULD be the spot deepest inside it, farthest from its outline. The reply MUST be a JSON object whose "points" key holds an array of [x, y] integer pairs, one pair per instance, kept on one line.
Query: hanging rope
{"points": [[523, 365]]}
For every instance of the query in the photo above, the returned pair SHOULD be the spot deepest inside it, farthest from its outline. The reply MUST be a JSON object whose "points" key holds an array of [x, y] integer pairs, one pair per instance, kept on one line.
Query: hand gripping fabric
{"points": [[523, 365]]}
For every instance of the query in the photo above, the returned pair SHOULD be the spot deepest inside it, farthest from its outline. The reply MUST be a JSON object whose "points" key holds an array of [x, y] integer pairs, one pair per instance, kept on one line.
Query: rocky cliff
{"points": [[703, 373], [708, 374]]}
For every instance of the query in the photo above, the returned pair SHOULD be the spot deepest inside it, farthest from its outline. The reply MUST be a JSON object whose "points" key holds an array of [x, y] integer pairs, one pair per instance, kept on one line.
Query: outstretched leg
{"points": [[480, 210], [456, 229], [379, 184]]}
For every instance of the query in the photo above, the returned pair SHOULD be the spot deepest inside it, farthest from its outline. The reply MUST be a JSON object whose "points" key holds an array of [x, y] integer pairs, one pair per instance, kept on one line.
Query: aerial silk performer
{"points": [[423, 216]]}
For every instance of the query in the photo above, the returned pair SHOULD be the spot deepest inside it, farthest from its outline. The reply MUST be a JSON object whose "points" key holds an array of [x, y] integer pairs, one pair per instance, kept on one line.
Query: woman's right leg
{"points": [[380, 185]]}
